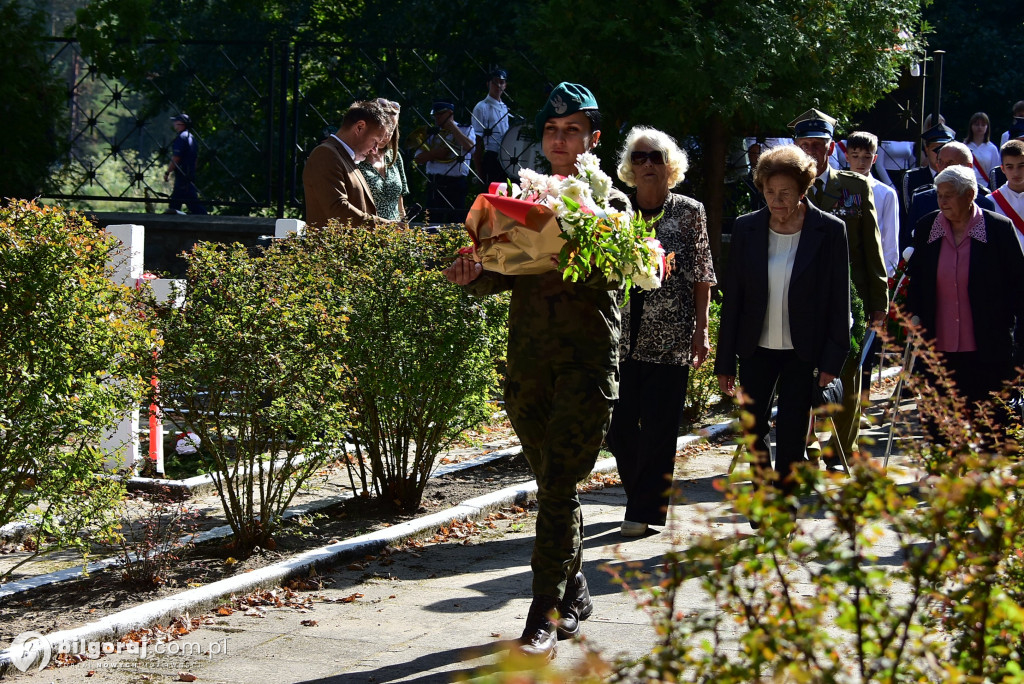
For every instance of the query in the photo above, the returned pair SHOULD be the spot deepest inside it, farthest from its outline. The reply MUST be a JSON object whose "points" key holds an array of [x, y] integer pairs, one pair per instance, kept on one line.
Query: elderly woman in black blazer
{"points": [[786, 308], [967, 285]]}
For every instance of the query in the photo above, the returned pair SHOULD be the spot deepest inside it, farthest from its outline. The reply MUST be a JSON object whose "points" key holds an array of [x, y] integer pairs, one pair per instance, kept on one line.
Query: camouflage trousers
{"points": [[848, 420], [560, 411]]}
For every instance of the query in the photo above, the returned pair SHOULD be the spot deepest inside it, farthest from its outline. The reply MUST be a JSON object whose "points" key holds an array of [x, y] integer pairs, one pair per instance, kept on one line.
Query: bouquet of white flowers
{"points": [[513, 229]]}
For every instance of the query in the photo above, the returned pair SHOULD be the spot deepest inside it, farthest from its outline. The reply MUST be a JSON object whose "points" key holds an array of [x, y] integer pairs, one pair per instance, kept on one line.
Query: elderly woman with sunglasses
{"points": [[664, 331]]}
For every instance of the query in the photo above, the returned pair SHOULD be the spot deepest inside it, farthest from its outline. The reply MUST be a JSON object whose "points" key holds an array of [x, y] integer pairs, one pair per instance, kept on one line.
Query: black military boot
{"points": [[575, 607], [539, 634]]}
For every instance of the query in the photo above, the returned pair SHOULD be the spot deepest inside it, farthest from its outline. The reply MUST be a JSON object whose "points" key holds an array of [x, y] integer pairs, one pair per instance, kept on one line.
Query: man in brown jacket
{"points": [[335, 189]]}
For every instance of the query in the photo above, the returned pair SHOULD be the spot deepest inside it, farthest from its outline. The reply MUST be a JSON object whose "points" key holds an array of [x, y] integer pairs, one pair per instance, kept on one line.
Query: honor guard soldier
{"points": [[847, 196], [490, 123]]}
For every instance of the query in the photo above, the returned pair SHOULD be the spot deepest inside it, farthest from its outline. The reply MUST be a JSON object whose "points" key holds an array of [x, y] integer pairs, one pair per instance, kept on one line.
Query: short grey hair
{"points": [[675, 158], [963, 150], [961, 177]]}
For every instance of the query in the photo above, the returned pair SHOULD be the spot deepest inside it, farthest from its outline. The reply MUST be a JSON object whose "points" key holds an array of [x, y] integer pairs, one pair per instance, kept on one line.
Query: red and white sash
{"points": [[984, 176], [1010, 212]]}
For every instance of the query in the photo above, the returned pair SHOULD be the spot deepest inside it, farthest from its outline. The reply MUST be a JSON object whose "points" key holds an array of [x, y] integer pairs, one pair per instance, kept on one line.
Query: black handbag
{"points": [[832, 393]]}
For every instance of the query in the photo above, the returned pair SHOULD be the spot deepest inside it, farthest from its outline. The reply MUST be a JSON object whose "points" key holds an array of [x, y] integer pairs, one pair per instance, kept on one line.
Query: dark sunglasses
{"points": [[638, 157]]}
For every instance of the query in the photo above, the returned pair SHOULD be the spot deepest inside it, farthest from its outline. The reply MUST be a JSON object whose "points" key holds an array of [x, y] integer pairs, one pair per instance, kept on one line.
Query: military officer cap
{"points": [[940, 133], [813, 124], [565, 100], [1017, 128], [440, 106]]}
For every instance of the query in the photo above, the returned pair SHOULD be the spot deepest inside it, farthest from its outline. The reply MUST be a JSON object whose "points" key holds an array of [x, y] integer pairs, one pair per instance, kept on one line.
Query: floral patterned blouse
{"points": [[388, 188], [668, 317]]}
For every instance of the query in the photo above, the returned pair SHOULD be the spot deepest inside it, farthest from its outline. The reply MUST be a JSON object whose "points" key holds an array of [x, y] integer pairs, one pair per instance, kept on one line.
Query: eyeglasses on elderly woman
{"points": [[638, 157]]}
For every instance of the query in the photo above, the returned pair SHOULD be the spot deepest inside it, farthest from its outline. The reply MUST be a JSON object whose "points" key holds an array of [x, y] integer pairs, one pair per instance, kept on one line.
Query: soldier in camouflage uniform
{"points": [[561, 384]]}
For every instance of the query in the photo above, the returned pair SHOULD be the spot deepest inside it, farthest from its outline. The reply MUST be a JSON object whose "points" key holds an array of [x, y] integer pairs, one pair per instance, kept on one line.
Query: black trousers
{"points": [[492, 171], [642, 436], [771, 372], [446, 199], [184, 191], [975, 375]]}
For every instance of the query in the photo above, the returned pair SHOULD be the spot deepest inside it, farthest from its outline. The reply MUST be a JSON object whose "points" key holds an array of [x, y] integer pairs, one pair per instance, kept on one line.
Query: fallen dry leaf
{"points": [[225, 610], [309, 623], [187, 677]]}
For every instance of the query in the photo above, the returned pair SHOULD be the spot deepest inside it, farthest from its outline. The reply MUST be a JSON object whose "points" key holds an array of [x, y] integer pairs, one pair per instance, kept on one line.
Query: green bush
{"points": [[786, 605], [73, 348], [422, 353], [702, 384], [908, 583], [253, 357]]}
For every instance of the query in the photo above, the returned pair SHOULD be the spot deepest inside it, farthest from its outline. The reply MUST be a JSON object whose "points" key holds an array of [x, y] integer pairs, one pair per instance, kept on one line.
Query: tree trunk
{"points": [[714, 179]]}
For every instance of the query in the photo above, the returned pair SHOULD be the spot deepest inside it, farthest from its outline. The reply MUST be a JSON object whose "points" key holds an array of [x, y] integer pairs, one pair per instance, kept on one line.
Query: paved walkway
{"points": [[433, 611]]}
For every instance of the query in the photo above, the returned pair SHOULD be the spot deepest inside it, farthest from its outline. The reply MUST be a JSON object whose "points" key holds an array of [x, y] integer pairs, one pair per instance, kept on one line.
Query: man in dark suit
{"points": [[924, 201], [847, 196], [922, 176], [334, 187]]}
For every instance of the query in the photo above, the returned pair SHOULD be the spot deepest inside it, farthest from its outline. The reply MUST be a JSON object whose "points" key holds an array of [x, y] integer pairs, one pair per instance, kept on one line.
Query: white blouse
{"points": [[987, 155], [781, 255]]}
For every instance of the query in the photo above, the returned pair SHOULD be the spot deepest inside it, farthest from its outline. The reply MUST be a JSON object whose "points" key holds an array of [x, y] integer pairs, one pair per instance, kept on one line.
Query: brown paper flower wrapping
{"points": [[513, 236]]}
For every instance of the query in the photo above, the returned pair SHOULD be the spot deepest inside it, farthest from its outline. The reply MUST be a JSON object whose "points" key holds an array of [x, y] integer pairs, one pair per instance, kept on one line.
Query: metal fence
{"points": [[257, 110]]}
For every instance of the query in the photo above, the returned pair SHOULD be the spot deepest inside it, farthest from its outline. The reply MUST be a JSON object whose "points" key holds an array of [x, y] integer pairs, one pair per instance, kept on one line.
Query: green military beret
{"points": [[566, 99]]}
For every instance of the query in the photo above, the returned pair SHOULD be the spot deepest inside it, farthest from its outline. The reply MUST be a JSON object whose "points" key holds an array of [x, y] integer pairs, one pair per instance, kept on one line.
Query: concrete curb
{"points": [[112, 627], [17, 586]]}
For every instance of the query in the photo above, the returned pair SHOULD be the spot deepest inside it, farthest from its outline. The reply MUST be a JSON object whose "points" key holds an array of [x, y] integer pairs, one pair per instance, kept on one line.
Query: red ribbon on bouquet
{"points": [[513, 236]]}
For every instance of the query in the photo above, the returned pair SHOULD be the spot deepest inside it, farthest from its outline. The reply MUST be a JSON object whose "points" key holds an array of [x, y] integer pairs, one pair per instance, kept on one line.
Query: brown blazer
{"points": [[335, 189]]}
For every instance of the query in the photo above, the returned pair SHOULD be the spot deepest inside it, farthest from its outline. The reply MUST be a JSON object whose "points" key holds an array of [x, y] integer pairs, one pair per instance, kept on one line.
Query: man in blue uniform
{"points": [[183, 165]]}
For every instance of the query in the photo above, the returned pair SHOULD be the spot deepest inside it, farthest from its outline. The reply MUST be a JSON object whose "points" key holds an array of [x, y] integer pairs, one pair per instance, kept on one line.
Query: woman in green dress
{"points": [[384, 171]]}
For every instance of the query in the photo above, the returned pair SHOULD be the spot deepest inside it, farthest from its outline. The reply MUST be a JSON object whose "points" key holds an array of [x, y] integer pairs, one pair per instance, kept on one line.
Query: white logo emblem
{"points": [[29, 647], [558, 104]]}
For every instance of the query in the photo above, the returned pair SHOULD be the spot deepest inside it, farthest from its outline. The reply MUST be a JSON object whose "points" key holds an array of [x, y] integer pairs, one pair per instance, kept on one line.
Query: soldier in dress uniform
{"points": [[922, 176], [847, 196], [561, 382]]}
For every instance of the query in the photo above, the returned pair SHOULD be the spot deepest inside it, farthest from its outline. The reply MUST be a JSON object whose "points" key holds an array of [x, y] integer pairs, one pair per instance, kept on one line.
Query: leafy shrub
{"points": [[71, 359], [910, 583], [421, 352], [155, 534], [253, 356], [702, 383]]}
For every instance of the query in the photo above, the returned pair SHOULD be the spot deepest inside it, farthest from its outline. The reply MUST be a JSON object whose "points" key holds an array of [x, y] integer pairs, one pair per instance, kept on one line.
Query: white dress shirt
{"points": [[781, 256], [1015, 200], [351, 152], [888, 222], [490, 114]]}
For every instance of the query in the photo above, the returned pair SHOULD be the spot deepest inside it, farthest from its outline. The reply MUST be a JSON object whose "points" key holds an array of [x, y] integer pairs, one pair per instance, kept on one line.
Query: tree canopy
{"points": [[32, 104]]}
